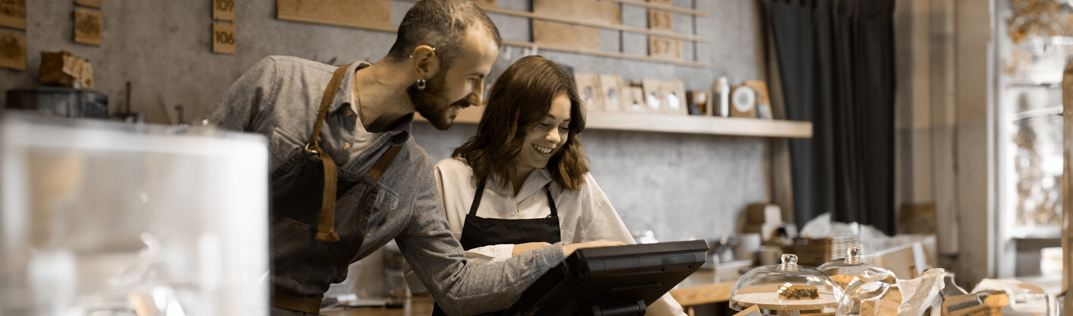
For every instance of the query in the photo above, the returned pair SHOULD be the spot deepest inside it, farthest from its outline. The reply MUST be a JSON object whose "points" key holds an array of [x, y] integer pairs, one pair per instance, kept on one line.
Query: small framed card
{"points": [[612, 88]]}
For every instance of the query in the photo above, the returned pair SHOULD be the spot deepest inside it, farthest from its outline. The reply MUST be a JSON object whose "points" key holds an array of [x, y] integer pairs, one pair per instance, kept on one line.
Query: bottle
{"points": [[721, 99]]}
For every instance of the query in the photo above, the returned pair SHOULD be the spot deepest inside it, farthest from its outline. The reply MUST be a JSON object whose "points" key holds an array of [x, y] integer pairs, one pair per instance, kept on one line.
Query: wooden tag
{"points": [[223, 38], [13, 50], [13, 14], [90, 3], [223, 10], [665, 48], [659, 20], [88, 26]]}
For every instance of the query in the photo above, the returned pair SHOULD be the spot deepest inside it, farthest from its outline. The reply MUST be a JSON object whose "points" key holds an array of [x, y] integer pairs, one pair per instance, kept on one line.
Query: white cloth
{"points": [[584, 215]]}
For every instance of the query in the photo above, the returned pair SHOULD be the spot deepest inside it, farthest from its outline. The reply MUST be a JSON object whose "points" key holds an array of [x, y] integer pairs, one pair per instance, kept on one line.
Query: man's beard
{"points": [[425, 102]]}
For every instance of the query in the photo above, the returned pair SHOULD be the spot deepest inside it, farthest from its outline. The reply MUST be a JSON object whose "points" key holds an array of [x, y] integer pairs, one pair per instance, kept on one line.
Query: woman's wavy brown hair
{"points": [[519, 100]]}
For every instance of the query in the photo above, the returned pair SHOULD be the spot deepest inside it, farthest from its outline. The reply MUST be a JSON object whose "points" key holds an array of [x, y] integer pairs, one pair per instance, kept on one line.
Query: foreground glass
{"points": [[765, 287], [104, 218]]}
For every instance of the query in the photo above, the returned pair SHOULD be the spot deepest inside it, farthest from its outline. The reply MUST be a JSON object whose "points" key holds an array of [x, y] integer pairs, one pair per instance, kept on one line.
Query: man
{"points": [[360, 180]]}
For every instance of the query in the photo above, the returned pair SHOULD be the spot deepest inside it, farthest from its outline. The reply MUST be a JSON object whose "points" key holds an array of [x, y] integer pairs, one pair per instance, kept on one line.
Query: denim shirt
{"points": [[279, 98]]}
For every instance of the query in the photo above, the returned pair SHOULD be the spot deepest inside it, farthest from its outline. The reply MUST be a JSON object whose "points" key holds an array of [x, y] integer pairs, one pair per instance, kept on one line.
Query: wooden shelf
{"points": [[665, 7], [685, 124]]}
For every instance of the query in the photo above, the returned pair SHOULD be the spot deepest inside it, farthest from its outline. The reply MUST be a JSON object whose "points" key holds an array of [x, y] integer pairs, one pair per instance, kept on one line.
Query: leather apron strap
{"points": [[326, 223]]}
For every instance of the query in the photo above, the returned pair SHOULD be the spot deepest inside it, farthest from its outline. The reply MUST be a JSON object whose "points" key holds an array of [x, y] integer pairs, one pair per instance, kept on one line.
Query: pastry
{"points": [[798, 292]]}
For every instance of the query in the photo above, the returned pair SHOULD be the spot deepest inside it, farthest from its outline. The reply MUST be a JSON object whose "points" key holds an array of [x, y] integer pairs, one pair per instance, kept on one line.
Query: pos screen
{"points": [[620, 280]]}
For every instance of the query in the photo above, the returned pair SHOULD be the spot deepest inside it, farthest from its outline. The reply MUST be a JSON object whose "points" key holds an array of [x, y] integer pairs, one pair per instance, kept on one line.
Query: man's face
{"points": [[460, 86]]}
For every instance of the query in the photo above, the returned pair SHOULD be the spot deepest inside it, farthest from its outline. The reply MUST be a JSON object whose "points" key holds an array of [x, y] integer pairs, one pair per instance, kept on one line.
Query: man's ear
{"points": [[425, 61]]}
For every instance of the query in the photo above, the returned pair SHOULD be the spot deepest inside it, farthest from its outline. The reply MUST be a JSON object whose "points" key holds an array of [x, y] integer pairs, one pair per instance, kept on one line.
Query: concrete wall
{"points": [[679, 186]]}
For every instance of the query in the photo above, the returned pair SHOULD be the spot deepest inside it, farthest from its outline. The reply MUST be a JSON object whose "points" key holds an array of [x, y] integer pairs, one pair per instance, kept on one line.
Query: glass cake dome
{"points": [[846, 272], [873, 298], [786, 289]]}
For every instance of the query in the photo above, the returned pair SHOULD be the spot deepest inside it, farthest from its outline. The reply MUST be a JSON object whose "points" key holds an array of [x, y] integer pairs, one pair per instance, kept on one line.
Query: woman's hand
{"points": [[569, 249], [522, 248]]}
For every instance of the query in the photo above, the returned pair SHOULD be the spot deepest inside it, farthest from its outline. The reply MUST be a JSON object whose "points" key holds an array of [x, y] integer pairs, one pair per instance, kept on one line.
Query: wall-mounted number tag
{"points": [[223, 38], [223, 10], [88, 26], [12, 50], [13, 14]]}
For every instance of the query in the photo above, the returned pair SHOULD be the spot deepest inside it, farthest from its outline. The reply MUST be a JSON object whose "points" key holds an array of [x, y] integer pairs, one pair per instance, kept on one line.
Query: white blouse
{"points": [[584, 215]]}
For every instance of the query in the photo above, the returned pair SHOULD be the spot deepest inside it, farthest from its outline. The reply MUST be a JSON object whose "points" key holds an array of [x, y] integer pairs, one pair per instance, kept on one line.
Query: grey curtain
{"points": [[836, 65]]}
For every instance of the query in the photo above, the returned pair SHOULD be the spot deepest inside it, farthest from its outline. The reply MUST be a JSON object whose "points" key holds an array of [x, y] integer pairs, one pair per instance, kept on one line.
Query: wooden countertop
{"points": [[415, 306], [422, 305], [704, 293]]}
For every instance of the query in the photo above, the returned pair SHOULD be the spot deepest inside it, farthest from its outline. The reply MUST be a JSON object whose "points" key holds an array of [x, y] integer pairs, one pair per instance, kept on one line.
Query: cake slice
{"points": [[798, 292]]}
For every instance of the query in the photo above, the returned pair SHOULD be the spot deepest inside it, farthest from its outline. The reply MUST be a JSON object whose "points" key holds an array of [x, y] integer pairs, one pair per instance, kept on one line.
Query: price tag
{"points": [[223, 38], [88, 25], [13, 14], [223, 10]]}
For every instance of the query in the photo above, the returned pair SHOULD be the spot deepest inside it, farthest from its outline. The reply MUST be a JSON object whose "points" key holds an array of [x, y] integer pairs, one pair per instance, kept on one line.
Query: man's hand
{"points": [[522, 248], [569, 249]]}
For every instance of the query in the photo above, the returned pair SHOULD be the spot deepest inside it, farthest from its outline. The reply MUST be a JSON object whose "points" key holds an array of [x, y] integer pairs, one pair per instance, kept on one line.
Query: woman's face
{"points": [[547, 137]]}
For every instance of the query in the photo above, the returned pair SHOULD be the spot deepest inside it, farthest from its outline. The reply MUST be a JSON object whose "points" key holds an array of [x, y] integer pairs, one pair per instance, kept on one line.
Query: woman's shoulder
{"points": [[454, 168], [453, 163]]}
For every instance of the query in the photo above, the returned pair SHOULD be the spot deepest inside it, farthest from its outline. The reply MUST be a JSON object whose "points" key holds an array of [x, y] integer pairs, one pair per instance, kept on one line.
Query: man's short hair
{"points": [[441, 24]]}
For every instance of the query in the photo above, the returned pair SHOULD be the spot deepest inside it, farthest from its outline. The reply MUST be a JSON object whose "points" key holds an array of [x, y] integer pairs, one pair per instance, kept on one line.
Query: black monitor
{"points": [[621, 280]]}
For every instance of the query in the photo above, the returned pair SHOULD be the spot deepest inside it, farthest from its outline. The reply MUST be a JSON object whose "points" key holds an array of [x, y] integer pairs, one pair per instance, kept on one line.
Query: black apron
{"points": [[480, 232], [309, 251]]}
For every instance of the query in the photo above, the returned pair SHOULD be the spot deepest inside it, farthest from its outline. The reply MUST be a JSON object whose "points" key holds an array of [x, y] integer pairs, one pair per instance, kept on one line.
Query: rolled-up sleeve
{"points": [[458, 287]]}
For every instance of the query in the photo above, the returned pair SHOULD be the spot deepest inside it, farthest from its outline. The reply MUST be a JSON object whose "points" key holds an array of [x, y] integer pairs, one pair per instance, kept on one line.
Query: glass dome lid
{"points": [[786, 287], [871, 298], [846, 272]]}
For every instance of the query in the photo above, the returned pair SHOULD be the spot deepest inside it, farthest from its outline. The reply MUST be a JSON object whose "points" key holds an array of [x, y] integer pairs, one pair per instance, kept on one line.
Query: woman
{"points": [[522, 182]]}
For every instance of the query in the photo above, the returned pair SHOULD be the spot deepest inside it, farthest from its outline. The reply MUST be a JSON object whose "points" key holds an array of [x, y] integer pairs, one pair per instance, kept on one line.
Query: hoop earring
{"points": [[420, 84]]}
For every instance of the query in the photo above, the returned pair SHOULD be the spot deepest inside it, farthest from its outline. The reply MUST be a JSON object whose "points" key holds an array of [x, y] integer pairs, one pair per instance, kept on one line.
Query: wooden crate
{"points": [[813, 252]]}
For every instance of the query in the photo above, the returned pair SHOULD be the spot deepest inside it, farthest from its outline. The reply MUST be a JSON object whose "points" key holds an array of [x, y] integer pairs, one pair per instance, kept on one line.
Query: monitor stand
{"points": [[634, 308]]}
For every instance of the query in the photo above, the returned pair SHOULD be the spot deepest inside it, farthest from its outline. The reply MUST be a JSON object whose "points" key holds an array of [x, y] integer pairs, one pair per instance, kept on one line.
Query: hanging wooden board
{"points": [[597, 11], [13, 14], [370, 14], [223, 38], [12, 50], [89, 3], [88, 26], [566, 35], [223, 10], [573, 36], [486, 3]]}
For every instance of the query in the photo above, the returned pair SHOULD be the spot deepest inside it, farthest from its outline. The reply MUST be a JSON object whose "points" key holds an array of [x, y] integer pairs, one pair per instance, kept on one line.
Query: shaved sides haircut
{"points": [[441, 24]]}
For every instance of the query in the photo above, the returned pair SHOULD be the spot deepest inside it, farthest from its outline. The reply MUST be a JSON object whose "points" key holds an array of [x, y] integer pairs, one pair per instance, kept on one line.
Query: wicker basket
{"points": [[816, 251]]}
